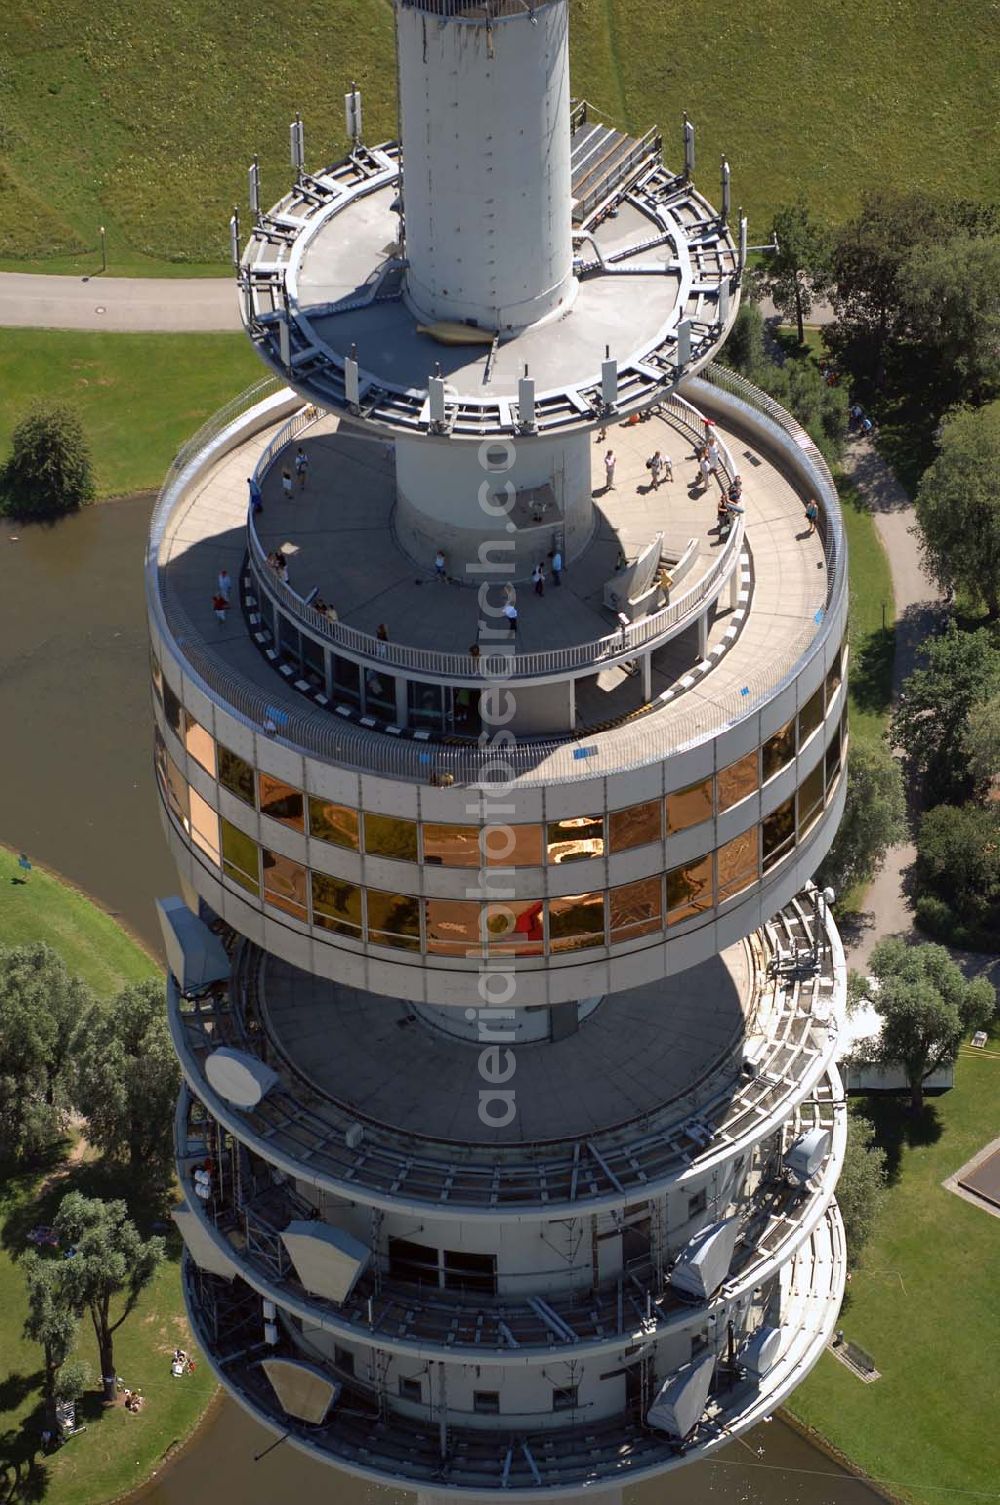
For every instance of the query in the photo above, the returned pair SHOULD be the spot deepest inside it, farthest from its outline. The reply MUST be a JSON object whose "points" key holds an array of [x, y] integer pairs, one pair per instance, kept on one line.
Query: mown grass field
{"points": [[144, 118], [924, 1304], [117, 1450], [139, 396]]}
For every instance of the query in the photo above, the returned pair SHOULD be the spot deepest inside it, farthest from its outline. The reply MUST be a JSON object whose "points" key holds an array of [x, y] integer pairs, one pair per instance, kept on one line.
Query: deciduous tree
{"points": [[927, 1008], [958, 670], [799, 270], [873, 819], [861, 1185], [41, 1010], [111, 1263], [51, 1321], [958, 506], [948, 294], [49, 470], [128, 1079], [958, 867]]}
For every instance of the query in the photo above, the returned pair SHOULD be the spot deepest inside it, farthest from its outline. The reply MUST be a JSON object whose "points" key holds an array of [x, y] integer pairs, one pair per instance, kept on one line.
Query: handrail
{"points": [[578, 658], [288, 717]]}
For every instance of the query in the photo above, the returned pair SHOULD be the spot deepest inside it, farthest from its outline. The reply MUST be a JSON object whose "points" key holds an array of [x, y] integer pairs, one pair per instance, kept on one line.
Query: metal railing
{"points": [[287, 716], [474, 10], [577, 658]]}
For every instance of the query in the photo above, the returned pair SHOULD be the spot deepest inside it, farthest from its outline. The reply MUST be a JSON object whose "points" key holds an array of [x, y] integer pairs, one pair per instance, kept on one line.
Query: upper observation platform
{"points": [[655, 286]]}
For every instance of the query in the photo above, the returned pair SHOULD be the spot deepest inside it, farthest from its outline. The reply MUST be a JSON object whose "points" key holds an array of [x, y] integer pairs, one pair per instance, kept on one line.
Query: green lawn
{"points": [[144, 119], [139, 395], [39, 907], [924, 1304], [118, 1450]]}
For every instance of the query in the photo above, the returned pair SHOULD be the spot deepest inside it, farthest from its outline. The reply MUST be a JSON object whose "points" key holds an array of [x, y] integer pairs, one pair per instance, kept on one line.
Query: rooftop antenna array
{"points": [[297, 146], [352, 115]]}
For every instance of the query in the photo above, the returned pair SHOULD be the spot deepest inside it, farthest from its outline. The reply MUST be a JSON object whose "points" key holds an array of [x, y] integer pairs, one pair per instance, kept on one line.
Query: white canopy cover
{"points": [[703, 1264], [328, 1260], [241, 1079], [680, 1403]]}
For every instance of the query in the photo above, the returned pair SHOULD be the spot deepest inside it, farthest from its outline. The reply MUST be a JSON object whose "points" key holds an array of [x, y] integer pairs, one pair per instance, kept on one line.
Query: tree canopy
{"points": [[41, 1009], [799, 269], [958, 671], [51, 1321], [49, 470], [128, 1079], [958, 505], [958, 874], [861, 1185], [926, 1007], [873, 819], [950, 307], [111, 1262]]}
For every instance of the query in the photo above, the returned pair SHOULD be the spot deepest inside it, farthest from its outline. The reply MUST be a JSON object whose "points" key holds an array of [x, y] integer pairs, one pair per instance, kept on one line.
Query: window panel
{"points": [[811, 792], [239, 858], [285, 884], [738, 863], [778, 833], [346, 680], [737, 781], [810, 716], [172, 710], [516, 927], [486, 1402], [451, 846], [690, 806], [380, 694], [172, 781], [689, 890], [832, 762], [512, 846], [288, 640], [336, 905], [576, 922], [426, 705], [281, 801], [337, 824], [834, 675], [778, 751], [565, 1398], [157, 673], [393, 920], [199, 743], [470, 1272], [417, 1264], [576, 837], [236, 775], [636, 909], [635, 826], [204, 826], [390, 836], [453, 927]]}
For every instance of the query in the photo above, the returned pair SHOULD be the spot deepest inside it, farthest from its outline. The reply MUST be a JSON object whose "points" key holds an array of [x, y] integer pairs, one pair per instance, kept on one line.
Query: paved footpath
{"points": [[888, 910], [145, 305]]}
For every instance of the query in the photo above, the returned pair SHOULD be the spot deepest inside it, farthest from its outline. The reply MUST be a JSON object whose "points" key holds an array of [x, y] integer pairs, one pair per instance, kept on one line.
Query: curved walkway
{"points": [[140, 305], [888, 908]]}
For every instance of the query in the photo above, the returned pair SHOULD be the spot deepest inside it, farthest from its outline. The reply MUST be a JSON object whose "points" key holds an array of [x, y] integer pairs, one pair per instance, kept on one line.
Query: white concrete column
{"points": [[734, 586], [647, 676], [703, 635], [484, 117]]}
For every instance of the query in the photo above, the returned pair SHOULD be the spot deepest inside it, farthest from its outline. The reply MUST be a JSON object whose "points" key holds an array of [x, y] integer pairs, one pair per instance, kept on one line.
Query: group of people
{"points": [[181, 1363], [300, 468]]}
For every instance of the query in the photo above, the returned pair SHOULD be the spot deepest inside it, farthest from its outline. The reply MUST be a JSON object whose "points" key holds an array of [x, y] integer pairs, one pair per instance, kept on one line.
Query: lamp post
{"points": [[104, 249]]}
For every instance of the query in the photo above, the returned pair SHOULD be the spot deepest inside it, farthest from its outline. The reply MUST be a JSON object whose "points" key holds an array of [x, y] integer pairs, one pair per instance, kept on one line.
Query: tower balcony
{"points": [[723, 1064], [244, 1218], [361, 1433]]}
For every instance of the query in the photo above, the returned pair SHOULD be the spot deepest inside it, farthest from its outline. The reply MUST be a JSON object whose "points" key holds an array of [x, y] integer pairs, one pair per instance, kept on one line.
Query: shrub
{"points": [[958, 874], [48, 472]]}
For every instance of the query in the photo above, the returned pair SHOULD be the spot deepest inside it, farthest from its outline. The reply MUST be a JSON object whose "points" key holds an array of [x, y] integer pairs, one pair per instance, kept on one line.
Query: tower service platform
{"points": [[506, 1006]]}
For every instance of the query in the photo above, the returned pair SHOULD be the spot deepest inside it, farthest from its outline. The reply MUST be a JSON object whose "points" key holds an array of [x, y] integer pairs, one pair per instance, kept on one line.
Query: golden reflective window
{"points": [[778, 833], [281, 801], [635, 826], [575, 837], [689, 890], [453, 927], [512, 846], [239, 857], [393, 920], [811, 792], [337, 824], [636, 909], [516, 927], [157, 673], [810, 716], [778, 751], [832, 762], [737, 781], [451, 846], [389, 836], [199, 743], [576, 922], [738, 863], [236, 775], [336, 905], [833, 676], [172, 782], [690, 806], [284, 884], [204, 825]]}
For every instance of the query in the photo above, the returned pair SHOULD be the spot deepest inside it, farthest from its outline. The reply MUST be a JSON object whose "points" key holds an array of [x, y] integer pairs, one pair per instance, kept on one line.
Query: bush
{"points": [[861, 1185], [73, 1379], [49, 471]]}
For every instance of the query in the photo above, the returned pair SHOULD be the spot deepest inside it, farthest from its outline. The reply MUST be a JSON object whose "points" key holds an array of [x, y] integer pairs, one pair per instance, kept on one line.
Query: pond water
{"points": [[77, 795]]}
